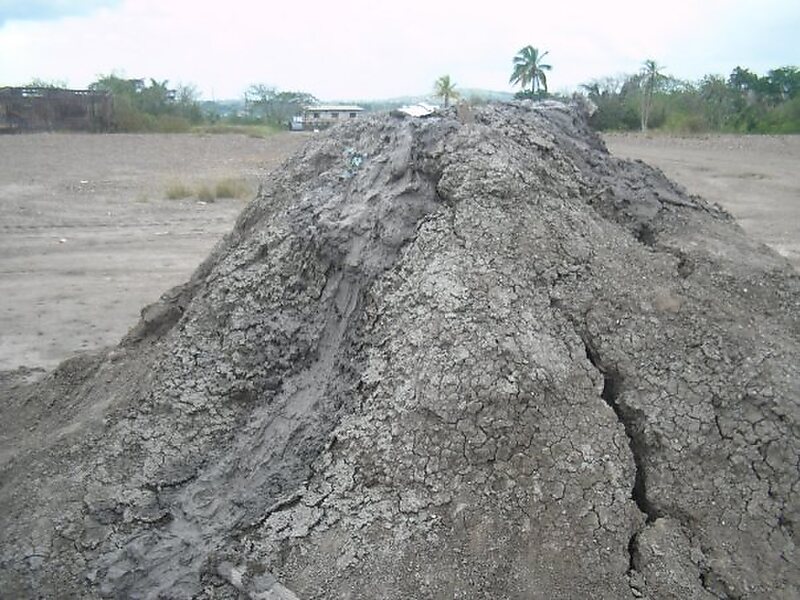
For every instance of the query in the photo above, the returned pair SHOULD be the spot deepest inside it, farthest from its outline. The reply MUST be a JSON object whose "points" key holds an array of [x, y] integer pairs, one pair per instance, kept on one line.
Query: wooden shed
{"points": [[54, 109]]}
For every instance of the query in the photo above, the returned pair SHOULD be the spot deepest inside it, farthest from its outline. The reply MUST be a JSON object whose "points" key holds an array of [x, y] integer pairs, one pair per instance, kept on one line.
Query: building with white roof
{"points": [[319, 116]]}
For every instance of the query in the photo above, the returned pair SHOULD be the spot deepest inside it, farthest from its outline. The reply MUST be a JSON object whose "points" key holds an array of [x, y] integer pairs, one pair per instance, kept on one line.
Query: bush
{"points": [[615, 115], [170, 124], [129, 119], [686, 123], [784, 118]]}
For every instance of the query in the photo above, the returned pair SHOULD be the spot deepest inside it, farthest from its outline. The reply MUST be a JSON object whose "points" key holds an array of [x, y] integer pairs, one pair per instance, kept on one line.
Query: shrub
{"points": [[686, 123], [784, 118], [128, 119], [170, 124]]}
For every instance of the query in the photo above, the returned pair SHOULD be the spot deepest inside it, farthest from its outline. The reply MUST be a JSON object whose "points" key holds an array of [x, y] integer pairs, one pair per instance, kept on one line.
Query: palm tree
{"points": [[650, 76], [445, 89], [529, 69]]}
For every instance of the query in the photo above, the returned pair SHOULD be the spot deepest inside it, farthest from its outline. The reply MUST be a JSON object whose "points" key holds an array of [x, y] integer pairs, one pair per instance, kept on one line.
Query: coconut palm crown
{"points": [[530, 70], [445, 89]]}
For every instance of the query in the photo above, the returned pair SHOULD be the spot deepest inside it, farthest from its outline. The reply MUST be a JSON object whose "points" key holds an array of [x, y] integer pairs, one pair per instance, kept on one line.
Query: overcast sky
{"points": [[369, 49]]}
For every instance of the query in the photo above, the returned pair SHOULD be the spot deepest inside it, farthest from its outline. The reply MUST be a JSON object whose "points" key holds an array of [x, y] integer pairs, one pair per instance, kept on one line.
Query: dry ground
{"points": [[87, 236], [756, 178]]}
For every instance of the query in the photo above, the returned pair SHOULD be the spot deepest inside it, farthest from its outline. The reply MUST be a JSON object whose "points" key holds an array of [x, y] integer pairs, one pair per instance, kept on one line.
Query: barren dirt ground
{"points": [[88, 237], [756, 178]]}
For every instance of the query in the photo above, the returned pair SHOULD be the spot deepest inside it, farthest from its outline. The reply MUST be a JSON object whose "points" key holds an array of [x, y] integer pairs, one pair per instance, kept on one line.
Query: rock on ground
{"points": [[467, 356]]}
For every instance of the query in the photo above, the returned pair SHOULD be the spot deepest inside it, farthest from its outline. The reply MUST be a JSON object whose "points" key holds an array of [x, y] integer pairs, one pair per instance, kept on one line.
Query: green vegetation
{"points": [[744, 102], [234, 125], [445, 89], [650, 77], [530, 70], [205, 194], [229, 187], [140, 106], [178, 191], [265, 104]]}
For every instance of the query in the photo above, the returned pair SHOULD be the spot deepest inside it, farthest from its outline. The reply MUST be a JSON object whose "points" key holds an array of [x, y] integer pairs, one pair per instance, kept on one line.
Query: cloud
{"points": [[358, 49], [40, 10]]}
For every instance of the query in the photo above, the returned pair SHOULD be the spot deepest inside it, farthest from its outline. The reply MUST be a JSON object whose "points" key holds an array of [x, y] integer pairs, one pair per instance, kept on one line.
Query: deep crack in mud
{"points": [[612, 384]]}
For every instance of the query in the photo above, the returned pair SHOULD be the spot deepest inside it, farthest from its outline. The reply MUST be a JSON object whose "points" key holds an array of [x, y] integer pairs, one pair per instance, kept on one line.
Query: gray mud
{"points": [[469, 356]]}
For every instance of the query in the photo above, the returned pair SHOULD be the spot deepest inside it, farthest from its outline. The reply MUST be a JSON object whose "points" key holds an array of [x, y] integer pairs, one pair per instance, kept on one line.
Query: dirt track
{"points": [[88, 237], [756, 178]]}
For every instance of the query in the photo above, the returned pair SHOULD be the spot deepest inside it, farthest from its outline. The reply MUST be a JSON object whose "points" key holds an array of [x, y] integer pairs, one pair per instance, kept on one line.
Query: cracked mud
{"points": [[469, 356]]}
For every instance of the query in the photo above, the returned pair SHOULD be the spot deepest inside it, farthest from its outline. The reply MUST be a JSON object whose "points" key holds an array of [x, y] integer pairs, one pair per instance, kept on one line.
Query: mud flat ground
{"points": [[88, 237], [756, 178]]}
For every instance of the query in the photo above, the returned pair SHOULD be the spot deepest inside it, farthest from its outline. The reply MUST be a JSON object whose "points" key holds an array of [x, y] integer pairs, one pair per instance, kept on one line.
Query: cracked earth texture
{"points": [[468, 356]]}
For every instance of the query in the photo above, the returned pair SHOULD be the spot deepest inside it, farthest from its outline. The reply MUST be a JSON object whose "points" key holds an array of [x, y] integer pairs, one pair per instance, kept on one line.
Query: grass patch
{"points": [[178, 191], [231, 188], [205, 194], [256, 131]]}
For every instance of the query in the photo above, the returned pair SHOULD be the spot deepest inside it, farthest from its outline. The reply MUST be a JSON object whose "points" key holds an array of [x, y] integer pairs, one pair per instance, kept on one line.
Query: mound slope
{"points": [[469, 356]]}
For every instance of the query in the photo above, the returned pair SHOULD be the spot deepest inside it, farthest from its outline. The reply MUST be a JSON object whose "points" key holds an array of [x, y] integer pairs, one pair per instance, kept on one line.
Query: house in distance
{"points": [[320, 116]]}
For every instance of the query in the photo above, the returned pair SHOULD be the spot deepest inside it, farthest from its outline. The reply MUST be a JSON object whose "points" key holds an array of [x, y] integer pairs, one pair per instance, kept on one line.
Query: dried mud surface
{"points": [[755, 178], [88, 237], [469, 356]]}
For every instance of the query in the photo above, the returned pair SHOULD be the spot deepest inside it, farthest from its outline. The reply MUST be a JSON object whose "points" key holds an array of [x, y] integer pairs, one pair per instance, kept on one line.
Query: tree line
{"points": [[141, 105], [742, 102], [153, 105]]}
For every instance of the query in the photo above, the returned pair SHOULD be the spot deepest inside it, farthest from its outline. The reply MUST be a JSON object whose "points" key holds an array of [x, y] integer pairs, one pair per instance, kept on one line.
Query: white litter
{"points": [[422, 109]]}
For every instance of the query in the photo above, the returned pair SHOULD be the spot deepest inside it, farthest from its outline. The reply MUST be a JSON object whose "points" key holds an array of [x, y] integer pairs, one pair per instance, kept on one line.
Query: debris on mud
{"points": [[451, 357]]}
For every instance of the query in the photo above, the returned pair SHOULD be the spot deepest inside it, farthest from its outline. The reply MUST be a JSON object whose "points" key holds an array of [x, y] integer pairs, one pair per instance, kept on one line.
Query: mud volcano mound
{"points": [[468, 356]]}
